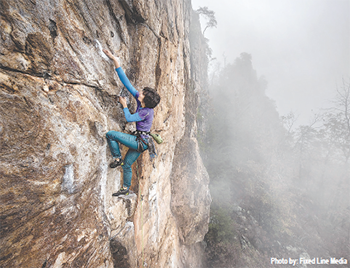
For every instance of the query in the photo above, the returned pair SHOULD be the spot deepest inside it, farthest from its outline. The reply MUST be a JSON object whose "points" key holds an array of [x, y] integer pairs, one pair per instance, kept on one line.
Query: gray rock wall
{"points": [[56, 105]]}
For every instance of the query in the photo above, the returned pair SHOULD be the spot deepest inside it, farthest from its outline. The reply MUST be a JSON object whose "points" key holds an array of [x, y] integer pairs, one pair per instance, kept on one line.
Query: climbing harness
{"points": [[141, 141], [145, 140], [155, 136]]}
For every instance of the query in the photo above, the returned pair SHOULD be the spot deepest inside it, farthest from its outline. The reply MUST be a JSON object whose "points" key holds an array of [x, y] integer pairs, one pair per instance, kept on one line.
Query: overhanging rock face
{"points": [[56, 105]]}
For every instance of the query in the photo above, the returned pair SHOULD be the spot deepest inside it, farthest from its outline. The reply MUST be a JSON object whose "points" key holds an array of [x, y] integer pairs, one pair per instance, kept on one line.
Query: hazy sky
{"points": [[302, 47]]}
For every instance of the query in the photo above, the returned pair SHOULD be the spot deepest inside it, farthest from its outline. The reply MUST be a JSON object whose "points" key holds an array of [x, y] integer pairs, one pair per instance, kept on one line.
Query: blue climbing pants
{"points": [[113, 139]]}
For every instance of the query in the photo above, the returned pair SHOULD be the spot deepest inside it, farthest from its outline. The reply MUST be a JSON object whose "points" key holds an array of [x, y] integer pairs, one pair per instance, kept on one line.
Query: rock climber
{"points": [[147, 100]]}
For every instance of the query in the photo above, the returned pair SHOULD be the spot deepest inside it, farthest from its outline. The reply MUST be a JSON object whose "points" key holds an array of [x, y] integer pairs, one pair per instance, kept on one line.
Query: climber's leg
{"points": [[129, 159], [113, 137]]}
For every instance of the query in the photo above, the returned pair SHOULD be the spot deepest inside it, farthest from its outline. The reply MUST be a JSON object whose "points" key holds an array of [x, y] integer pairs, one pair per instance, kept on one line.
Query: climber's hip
{"points": [[126, 139]]}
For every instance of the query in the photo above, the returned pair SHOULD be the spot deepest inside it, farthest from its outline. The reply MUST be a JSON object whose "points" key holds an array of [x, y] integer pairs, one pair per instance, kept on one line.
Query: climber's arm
{"points": [[128, 116], [114, 59], [121, 74], [126, 82], [131, 117]]}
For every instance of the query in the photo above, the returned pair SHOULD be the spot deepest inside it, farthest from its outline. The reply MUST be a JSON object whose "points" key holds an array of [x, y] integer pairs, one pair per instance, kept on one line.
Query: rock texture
{"points": [[56, 105]]}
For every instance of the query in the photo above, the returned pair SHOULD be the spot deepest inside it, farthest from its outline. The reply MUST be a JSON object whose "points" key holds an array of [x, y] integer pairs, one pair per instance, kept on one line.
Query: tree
{"points": [[209, 16], [243, 130], [289, 121], [337, 121]]}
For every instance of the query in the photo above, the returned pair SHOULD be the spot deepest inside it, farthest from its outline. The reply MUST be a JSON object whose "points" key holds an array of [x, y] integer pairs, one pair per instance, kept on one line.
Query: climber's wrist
{"points": [[116, 63]]}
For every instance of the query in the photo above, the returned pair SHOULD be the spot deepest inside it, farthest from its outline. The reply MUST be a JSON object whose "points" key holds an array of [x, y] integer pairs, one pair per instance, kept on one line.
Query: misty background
{"points": [[302, 48], [279, 181]]}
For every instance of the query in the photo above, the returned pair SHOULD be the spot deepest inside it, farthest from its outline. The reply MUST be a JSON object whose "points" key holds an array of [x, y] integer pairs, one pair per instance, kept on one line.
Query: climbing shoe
{"points": [[122, 191], [117, 162]]}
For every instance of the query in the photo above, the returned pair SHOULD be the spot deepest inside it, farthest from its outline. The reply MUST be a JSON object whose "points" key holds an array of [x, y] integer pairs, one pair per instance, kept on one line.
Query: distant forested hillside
{"points": [[278, 190]]}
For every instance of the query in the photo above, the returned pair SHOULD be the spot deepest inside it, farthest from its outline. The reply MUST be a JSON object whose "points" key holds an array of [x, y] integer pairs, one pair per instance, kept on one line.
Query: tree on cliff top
{"points": [[209, 15]]}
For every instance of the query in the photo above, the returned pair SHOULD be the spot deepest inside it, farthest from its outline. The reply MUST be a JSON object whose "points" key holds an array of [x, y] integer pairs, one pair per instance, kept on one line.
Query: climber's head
{"points": [[149, 97]]}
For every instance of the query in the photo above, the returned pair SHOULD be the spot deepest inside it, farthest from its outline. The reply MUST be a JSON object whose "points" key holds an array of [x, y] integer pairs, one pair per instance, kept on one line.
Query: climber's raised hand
{"points": [[110, 55]]}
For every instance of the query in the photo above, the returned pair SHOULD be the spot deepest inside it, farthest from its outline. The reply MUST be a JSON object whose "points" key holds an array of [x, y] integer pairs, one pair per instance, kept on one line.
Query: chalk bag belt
{"points": [[140, 140]]}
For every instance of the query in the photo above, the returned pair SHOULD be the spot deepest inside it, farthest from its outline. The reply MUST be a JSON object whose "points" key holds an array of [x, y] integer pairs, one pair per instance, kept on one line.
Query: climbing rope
{"points": [[141, 199]]}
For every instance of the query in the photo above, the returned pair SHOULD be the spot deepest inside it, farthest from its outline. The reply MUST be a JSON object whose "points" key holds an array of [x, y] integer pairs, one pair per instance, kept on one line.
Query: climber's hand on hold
{"points": [[110, 55], [122, 100]]}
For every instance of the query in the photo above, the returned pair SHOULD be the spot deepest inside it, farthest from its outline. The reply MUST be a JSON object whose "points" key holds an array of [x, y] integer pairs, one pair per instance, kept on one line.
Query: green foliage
{"points": [[221, 226]]}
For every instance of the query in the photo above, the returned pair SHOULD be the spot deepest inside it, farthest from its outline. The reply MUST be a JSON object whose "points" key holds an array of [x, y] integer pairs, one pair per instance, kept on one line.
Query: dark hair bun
{"points": [[152, 98]]}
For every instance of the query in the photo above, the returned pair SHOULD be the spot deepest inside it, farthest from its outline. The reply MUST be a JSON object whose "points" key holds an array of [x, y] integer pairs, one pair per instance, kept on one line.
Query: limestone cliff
{"points": [[56, 105]]}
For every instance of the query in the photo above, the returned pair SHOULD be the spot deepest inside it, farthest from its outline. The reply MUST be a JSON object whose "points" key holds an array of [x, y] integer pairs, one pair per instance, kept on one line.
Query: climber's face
{"points": [[141, 96]]}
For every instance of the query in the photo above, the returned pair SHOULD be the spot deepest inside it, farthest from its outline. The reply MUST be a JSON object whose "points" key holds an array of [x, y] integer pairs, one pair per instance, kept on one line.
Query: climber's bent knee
{"points": [[112, 134]]}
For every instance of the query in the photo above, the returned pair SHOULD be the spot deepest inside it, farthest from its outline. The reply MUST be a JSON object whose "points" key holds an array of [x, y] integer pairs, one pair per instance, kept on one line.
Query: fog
{"points": [[301, 47], [279, 184]]}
